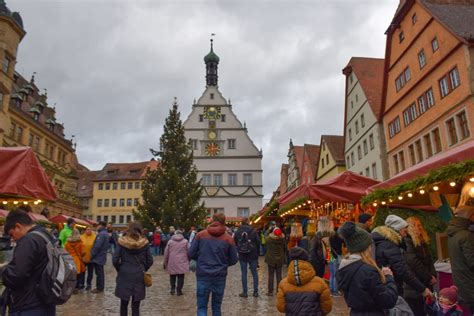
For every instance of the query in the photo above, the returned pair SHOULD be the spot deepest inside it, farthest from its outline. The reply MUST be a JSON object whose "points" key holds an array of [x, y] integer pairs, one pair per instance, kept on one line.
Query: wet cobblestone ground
{"points": [[159, 302]]}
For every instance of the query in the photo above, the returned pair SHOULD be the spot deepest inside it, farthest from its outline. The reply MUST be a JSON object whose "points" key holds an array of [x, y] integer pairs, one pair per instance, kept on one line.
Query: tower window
{"points": [[222, 117], [212, 96], [201, 118]]}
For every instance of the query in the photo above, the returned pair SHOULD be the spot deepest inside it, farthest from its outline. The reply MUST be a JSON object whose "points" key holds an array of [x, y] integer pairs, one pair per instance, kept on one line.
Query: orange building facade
{"points": [[429, 81]]}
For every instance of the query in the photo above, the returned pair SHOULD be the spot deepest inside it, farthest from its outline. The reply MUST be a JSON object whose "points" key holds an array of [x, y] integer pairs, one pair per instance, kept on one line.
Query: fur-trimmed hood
{"points": [[130, 243], [385, 232]]}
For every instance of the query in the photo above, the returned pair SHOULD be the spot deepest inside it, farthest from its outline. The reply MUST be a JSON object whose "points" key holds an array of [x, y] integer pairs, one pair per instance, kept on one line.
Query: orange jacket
{"points": [[76, 250], [87, 243]]}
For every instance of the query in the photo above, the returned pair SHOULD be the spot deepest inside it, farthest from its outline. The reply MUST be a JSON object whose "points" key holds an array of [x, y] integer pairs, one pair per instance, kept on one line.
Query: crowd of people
{"points": [[376, 270]]}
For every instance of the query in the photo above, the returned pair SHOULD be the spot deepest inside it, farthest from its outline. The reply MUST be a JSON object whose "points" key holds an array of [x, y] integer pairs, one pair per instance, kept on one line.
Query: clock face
{"points": [[213, 149], [211, 135], [212, 113]]}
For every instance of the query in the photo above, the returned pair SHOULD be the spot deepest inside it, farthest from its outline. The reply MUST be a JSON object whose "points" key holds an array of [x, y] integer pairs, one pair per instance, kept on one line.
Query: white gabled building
{"points": [[365, 150], [228, 162]]}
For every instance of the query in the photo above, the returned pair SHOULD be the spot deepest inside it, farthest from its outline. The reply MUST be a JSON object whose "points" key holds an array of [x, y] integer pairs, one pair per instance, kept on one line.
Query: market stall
{"points": [[62, 220]]}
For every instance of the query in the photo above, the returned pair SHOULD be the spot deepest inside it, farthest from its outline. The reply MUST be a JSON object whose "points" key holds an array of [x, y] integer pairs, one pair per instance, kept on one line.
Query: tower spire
{"points": [[211, 60]]}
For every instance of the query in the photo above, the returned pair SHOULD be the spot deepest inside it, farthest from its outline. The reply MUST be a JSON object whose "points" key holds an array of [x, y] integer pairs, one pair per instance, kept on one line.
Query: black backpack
{"points": [[245, 244], [58, 279]]}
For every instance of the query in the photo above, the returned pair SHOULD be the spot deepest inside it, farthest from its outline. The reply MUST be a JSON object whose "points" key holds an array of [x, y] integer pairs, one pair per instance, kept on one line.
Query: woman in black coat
{"points": [[131, 259], [418, 259], [317, 255], [368, 290]]}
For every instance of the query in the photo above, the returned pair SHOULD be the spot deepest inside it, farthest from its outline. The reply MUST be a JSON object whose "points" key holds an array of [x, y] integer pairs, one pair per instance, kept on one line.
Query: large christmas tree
{"points": [[172, 192]]}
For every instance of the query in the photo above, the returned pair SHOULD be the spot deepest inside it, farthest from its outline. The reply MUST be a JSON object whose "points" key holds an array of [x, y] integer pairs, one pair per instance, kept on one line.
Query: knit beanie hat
{"points": [[451, 293], [277, 232], [364, 217], [395, 222], [356, 239], [298, 253]]}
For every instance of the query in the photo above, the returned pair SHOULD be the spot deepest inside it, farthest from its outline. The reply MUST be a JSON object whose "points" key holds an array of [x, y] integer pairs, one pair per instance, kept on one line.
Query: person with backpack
{"points": [[21, 275], [248, 247], [132, 259], [99, 256], [75, 247]]}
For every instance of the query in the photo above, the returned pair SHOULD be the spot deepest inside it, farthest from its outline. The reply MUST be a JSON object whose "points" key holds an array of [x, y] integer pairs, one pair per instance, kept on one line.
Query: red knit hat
{"points": [[451, 293], [277, 231]]}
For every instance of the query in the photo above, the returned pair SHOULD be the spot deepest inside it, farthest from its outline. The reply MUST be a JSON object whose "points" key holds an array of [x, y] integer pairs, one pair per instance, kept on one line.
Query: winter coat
{"points": [[23, 272], [130, 259], [389, 253], [214, 251], [88, 242], [461, 252], [65, 233], [275, 255], [100, 247], [254, 237], [317, 255], [176, 255], [302, 292], [156, 239], [363, 289], [336, 242], [76, 250], [420, 263]]}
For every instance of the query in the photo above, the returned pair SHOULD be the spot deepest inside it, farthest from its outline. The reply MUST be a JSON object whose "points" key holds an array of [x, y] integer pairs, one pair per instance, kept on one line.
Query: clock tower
{"points": [[228, 162]]}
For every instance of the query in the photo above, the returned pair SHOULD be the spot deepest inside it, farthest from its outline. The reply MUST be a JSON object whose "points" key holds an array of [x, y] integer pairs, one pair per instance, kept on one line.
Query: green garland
{"points": [[456, 172], [292, 204]]}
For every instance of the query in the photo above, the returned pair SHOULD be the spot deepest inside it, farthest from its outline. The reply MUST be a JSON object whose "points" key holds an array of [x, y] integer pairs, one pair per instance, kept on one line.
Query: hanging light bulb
{"points": [[383, 202], [5, 202], [25, 202], [39, 201], [390, 200], [452, 183], [400, 197], [410, 194], [436, 188], [375, 204], [15, 202], [471, 179], [471, 192], [309, 201], [422, 191]]}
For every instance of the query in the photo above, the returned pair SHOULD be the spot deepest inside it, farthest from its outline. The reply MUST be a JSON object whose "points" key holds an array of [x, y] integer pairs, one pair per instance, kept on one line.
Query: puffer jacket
{"points": [[255, 239], [214, 251], [461, 252], [302, 292], [389, 251], [363, 289], [275, 255], [130, 259], [419, 261], [176, 255]]}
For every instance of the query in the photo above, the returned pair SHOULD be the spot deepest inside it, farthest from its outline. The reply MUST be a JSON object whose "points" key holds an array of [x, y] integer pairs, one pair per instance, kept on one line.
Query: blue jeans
{"points": [[40, 311], [253, 269], [333, 267], [216, 286], [100, 276], [155, 250]]}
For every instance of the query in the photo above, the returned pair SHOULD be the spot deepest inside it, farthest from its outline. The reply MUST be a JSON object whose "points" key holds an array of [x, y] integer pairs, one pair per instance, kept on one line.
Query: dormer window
{"points": [[50, 123], [36, 113]]}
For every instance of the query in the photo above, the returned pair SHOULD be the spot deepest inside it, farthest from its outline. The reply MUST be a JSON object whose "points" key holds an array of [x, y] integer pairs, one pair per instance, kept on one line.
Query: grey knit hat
{"points": [[356, 239], [395, 222]]}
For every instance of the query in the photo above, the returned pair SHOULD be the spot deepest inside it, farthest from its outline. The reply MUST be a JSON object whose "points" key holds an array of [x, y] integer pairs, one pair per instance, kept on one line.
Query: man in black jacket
{"points": [[21, 275], [248, 247], [389, 249]]}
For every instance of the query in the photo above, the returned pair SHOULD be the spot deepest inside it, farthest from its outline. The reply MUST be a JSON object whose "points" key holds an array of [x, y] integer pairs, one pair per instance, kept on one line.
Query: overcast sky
{"points": [[113, 67]]}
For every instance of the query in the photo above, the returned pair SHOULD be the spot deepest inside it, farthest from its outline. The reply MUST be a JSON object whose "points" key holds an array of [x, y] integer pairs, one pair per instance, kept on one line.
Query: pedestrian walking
{"points": [[275, 257], [302, 292], [214, 252], [367, 289], [461, 252], [318, 254], [335, 257], [88, 238], [192, 234], [21, 275], [389, 248], [75, 247], [156, 243], [176, 261], [131, 260], [418, 259], [163, 242], [66, 232], [99, 256], [248, 247]]}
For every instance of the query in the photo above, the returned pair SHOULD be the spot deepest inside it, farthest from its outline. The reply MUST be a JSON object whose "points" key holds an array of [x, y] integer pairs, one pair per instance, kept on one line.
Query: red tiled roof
{"points": [[369, 72], [312, 151], [125, 171], [84, 184], [335, 145]]}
